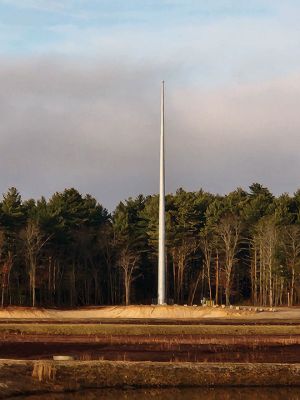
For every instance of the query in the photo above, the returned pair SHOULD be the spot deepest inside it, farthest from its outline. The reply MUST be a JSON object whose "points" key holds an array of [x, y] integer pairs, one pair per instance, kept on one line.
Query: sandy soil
{"points": [[150, 312]]}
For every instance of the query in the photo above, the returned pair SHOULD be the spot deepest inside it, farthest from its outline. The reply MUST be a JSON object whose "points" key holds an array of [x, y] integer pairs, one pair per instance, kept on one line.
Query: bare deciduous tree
{"points": [[129, 262], [34, 240], [181, 255], [7, 262], [264, 243], [229, 231], [291, 247], [207, 246]]}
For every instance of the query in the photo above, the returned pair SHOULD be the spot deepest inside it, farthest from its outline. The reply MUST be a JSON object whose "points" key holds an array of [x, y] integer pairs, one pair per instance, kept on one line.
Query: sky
{"points": [[80, 92]]}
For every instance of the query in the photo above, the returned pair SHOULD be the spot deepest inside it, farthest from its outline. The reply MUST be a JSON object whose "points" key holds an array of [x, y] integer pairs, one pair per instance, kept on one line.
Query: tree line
{"points": [[68, 251]]}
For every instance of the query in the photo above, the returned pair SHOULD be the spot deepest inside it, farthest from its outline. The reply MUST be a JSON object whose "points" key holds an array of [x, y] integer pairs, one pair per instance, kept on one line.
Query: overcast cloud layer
{"points": [[79, 99]]}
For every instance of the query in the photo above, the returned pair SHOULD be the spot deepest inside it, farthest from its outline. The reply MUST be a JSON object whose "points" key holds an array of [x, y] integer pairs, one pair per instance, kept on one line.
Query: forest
{"points": [[69, 251]]}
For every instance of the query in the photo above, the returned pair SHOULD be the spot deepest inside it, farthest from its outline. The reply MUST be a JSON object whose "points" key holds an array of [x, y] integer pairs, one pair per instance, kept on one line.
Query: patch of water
{"points": [[200, 353], [247, 393]]}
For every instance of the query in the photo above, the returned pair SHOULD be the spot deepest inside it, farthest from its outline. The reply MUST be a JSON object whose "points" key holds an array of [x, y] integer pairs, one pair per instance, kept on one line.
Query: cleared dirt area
{"points": [[147, 334], [151, 312], [166, 335]]}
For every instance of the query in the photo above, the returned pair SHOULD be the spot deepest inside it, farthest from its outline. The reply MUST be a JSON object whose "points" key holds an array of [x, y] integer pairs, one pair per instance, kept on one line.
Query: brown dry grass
{"points": [[147, 330]]}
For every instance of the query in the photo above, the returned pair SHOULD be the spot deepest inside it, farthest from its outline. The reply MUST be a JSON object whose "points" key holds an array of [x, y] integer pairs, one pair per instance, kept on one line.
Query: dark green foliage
{"points": [[78, 262]]}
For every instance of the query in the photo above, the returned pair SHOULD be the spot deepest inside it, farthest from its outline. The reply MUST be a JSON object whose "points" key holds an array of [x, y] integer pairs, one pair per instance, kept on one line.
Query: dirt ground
{"points": [[256, 346], [152, 312], [153, 333]]}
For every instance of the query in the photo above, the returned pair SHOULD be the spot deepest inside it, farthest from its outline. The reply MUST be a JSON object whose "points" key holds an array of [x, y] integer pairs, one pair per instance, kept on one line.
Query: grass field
{"points": [[119, 329]]}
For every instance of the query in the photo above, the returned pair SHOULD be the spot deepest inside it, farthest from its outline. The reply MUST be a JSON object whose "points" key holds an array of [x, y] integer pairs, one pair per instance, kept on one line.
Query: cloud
{"points": [[64, 125], [236, 48], [96, 127], [81, 106], [40, 5], [238, 135]]}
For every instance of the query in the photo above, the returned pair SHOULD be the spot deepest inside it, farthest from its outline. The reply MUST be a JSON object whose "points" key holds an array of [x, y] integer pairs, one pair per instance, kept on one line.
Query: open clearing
{"points": [[150, 312], [152, 333], [213, 340]]}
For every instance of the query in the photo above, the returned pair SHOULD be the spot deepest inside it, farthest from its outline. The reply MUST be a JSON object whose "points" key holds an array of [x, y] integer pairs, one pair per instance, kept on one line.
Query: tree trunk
{"points": [[202, 284], [254, 279], [33, 269], [270, 280], [292, 286], [209, 281], [127, 288], [217, 278], [227, 293], [191, 301], [260, 276], [2, 296], [228, 283]]}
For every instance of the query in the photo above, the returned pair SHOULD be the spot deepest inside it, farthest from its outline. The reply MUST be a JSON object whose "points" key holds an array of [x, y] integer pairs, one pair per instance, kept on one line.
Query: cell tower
{"points": [[161, 239]]}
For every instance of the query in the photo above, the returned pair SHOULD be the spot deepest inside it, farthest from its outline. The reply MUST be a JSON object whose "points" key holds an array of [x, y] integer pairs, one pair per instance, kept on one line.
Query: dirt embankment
{"points": [[149, 312], [43, 376]]}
